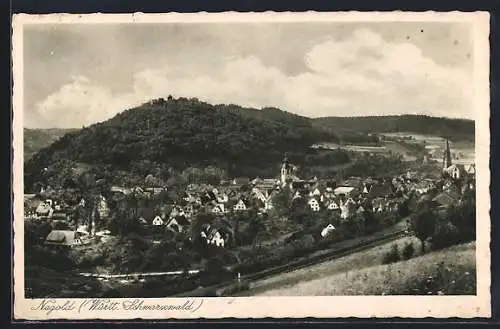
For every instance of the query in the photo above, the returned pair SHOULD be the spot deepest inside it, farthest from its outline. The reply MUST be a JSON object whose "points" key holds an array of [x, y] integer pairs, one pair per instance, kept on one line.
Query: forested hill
{"points": [[36, 139], [455, 129], [179, 133]]}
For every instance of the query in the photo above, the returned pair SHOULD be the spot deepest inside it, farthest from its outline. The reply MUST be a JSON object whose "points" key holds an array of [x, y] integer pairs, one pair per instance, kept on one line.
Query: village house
{"points": [[121, 190], [344, 211], [45, 209], [177, 224], [471, 169], [157, 221], [240, 181], [315, 193], [216, 239], [345, 191], [240, 206], [455, 171], [142, 221], [177, 211], [102, 207], [219, 209], [378, 205], [446, 199], [327, 230], [66, 238], [314, 204], [333, 205], [377, 191]]}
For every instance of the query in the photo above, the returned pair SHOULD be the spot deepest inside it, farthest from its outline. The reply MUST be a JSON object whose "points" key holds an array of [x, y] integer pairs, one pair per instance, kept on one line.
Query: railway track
{"points": [[229, 288], [317, 259]]}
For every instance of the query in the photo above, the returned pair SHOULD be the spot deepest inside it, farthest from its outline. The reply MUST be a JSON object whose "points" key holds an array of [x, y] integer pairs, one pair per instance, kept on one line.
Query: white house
{"points": [[350, 202], [222, 198], [333, 206], [327, 230], [454, 171], [177, 211], [471, 169], [365, 189], [102, 207], [378, 206], [315, 193], [44, 209], [344, 190], [157, 221], [217, 240], [174, 225], [344, 211], [218, 209], [240, 206], [314, 204]]}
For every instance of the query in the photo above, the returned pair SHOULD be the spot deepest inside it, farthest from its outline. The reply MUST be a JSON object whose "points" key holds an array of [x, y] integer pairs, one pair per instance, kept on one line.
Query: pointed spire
{"points": [[447, 155]]}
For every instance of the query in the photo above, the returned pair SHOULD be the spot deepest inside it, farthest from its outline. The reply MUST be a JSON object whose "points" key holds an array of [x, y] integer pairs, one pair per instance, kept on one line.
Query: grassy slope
{"points": [[451, 271]]}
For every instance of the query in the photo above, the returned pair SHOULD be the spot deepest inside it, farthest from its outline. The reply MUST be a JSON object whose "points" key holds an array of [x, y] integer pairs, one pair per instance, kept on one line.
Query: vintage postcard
{"points": [[250, 165]]}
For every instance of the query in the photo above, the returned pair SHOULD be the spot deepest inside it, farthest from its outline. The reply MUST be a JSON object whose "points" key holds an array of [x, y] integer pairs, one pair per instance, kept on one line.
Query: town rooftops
{"points": [[351, 182], [343, 190], [379, 190]]}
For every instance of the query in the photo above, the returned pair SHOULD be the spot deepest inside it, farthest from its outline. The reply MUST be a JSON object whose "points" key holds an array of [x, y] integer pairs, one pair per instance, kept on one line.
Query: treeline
{"points": [[175, 134], [454, 129], [37, 139]]}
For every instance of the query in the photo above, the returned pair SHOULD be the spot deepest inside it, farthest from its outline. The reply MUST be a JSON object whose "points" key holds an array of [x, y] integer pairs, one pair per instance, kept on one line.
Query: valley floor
{"points": [[450, 271]]}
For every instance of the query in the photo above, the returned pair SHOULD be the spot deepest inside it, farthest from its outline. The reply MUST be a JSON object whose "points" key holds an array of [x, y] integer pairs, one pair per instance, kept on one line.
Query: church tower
{"points": [[447, 156], [285, 171]]}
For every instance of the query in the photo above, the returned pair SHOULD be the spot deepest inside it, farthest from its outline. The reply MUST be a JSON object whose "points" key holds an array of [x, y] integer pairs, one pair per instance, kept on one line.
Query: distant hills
{"points": [[454, 129], [175, 134], [36, 139]]}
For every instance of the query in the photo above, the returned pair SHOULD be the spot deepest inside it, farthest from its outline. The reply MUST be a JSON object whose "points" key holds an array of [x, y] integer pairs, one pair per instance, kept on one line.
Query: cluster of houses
{"points": [[343, 199]]}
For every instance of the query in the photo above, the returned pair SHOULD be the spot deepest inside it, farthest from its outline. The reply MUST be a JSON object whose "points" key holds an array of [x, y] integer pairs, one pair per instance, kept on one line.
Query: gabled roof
{"points": [[181, 220], [241, 181], [379, 190], [351, 182], [61, 237], [343, 189], [446, 198]]}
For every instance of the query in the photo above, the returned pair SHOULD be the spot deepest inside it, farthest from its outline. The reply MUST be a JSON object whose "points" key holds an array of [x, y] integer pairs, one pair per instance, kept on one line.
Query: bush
{"points": [[446, 235], [50, 257], [408, 251], [35, 232], [392, 256]]}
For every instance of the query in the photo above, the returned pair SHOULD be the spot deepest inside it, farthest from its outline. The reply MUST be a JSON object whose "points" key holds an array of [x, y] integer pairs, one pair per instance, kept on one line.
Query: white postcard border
{"points": [[274, 307]]}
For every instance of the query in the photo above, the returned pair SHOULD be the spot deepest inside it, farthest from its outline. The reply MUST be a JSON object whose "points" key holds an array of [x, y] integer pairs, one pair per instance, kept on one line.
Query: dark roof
{"points": [[446, 198], [181, 220], [241, 180], [352, 182], [60, 237], [379, 191]]}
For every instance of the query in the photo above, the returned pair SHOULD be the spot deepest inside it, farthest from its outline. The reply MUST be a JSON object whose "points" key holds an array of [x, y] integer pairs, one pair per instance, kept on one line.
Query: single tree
{"points": [[422, 224]]}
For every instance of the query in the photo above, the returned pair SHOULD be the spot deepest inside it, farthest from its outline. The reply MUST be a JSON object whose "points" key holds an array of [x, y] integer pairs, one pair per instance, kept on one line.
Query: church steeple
{"points": [[447, 156], [285, 171]]}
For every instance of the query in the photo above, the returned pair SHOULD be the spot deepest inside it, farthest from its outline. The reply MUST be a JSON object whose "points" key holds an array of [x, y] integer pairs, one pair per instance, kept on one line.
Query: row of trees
{"points": [[443, 228]]}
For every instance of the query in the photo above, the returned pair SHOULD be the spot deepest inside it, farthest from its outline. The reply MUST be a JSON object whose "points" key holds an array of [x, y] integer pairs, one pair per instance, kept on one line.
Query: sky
{"points": [[79, 74]]}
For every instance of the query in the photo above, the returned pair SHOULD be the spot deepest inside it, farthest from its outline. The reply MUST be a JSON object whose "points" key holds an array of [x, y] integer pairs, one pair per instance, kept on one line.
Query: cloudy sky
{"points": [[76, 74]]}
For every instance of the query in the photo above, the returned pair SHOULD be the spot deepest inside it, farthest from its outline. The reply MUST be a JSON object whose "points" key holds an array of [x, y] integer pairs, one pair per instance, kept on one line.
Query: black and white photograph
{"points": [[182, 159]]}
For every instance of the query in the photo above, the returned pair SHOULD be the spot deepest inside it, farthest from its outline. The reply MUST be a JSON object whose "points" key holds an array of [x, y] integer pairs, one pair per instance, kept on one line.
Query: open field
{"points": [[450, 271]]}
